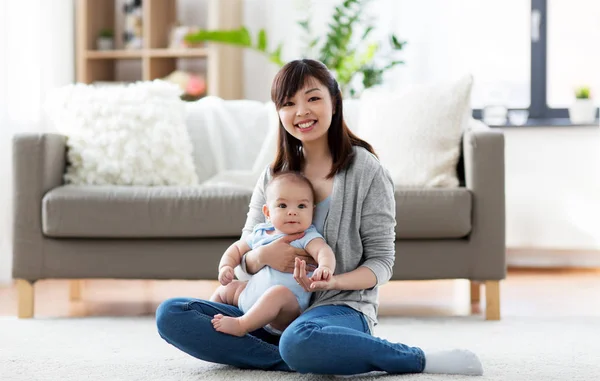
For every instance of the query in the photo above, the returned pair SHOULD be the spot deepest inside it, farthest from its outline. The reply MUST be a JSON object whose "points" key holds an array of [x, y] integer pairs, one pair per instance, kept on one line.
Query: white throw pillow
{"points": [[416, 132], [133, 134]]}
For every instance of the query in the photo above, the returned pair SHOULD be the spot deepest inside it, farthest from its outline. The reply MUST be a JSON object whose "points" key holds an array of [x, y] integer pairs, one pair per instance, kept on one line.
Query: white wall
{"points": [[24, 79], [553, 187]]}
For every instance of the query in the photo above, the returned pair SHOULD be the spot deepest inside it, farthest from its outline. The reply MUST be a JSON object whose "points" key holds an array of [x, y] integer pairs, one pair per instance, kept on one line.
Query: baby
{"points": [[272, 299]]}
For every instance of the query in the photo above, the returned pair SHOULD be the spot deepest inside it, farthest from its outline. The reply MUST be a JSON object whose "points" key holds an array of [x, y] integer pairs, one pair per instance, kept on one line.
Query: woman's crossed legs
{"points": [[325, 340]]}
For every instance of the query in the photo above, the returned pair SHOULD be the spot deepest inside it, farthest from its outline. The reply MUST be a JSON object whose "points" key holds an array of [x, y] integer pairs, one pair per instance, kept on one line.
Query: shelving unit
{"points": [[223, 63]]}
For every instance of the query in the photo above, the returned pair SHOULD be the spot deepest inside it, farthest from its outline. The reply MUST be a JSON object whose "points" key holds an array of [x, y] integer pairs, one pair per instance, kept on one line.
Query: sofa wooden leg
{"points": [[75, 286], [475, 292], [25, 296], [492, 300]]}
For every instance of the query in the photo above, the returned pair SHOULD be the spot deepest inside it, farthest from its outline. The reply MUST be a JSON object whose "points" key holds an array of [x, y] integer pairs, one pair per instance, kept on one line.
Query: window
{"points": [[573, 57], [564, 55], [487, 38], [523, 54]]}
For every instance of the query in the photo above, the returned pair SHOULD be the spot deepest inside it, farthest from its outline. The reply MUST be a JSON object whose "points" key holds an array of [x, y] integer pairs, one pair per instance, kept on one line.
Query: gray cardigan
{"points": [[360, 228]]}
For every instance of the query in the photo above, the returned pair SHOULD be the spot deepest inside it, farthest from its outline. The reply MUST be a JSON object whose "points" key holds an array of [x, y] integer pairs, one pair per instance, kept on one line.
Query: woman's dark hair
{"points": [[293, 77]]}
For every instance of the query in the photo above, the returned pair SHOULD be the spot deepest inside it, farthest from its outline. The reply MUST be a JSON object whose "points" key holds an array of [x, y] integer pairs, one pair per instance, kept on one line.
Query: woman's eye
{"points": [[281, 206], [314, 99], [287, 104]]}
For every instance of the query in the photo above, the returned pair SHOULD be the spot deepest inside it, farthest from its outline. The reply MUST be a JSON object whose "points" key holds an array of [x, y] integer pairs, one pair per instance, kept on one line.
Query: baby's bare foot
{"points": [[229, 325]]}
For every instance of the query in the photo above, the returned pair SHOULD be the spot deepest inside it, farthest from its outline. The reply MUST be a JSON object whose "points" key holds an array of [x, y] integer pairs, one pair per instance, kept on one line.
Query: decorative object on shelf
{"points": [[349, 58], [177, 37], [518, 117], [583, 109], [133, 33], [494, 115], [193, 86], [105, 40]]}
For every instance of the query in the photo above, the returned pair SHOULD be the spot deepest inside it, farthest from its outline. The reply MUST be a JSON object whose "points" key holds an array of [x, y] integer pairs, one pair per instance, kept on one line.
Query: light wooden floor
{"points": [[523, 293]]}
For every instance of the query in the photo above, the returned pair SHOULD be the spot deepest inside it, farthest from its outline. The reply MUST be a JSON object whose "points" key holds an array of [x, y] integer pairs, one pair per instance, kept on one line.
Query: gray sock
{"points": [[453, 361]]}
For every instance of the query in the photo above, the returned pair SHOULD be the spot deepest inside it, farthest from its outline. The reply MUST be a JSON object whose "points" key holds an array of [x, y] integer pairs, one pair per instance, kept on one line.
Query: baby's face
{"points": [[290, 206]]}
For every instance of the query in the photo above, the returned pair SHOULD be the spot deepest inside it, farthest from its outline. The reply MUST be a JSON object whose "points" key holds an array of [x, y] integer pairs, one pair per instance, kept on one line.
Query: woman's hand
{"points": [[308, 284], [281, 256]]}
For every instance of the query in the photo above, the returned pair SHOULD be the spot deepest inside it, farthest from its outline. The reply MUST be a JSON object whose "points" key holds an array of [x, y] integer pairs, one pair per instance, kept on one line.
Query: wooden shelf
{"points": [[223, 63], [178, 53], [113, 54], [158, 53]]}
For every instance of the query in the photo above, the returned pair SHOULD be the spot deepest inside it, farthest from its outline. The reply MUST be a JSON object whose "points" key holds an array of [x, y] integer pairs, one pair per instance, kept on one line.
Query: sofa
{"points": [[66, 231]]}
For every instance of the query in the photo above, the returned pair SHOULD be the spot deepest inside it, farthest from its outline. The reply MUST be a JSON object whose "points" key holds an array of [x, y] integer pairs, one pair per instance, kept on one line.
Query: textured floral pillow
{"points": [[132, 134]]}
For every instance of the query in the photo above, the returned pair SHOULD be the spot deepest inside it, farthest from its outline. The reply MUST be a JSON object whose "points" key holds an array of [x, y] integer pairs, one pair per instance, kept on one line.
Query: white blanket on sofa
{"points": [[233, 140]]}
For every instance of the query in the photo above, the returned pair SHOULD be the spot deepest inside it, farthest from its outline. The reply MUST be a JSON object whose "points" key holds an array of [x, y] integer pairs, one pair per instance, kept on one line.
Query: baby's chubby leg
{"points": [[229, 294], [277, 306]]}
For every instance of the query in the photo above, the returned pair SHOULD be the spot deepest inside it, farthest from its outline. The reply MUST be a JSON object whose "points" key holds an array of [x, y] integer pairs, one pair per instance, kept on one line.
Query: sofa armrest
{"points": [[39, 161], [483, 150]]}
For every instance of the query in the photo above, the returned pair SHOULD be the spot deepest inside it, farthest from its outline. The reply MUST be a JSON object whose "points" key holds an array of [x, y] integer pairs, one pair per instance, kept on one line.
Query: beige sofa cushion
{"points": [[75, 211], [144, 212], [433, 213]]}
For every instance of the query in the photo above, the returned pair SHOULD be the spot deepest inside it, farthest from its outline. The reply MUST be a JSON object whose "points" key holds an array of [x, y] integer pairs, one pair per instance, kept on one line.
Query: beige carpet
{"points": [[130, 349]]}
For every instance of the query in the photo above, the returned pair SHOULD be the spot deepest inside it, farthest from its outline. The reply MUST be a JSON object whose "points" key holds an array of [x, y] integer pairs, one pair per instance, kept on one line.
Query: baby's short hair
{"points": [[291, 176]]}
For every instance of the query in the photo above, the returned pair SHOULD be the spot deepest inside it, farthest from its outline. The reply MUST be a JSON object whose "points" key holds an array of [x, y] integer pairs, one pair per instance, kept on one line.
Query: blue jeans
{"points": [[324, 340]]}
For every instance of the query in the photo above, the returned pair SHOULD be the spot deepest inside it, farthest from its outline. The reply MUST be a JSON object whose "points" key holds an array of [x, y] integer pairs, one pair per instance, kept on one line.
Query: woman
{"points": [[356, 214]]}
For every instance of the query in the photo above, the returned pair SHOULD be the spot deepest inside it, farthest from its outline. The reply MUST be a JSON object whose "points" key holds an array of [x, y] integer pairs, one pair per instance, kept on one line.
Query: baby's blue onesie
{"points": [[268, 277]]}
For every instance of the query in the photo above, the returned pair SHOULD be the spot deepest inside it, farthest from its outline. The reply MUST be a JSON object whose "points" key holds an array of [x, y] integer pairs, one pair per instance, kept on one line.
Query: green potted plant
{"points": [[105, 40], [583, 109], [357, 63]]}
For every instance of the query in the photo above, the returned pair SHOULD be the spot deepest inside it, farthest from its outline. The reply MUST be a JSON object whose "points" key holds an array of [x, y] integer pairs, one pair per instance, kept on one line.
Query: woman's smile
{"points": [[306, 126]]}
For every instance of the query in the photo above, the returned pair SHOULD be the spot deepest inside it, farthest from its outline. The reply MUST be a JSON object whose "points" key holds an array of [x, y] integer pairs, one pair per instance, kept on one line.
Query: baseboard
{"points": [[552, 258]]}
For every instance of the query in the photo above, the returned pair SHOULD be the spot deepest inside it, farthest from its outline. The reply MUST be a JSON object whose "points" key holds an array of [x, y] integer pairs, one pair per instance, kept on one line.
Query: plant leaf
{"points": [[239, 36], [392, 64], [304, 25], [262, 41], [275, 56], [397, 44], [367, 31]]}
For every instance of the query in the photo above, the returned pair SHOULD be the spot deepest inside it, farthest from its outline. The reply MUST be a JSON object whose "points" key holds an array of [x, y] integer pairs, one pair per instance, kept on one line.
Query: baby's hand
{"points": [[226, 275], [322, 273]]}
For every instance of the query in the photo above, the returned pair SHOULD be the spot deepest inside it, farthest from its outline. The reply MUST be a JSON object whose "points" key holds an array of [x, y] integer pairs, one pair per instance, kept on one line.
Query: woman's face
{"points": [[307, 115]]}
